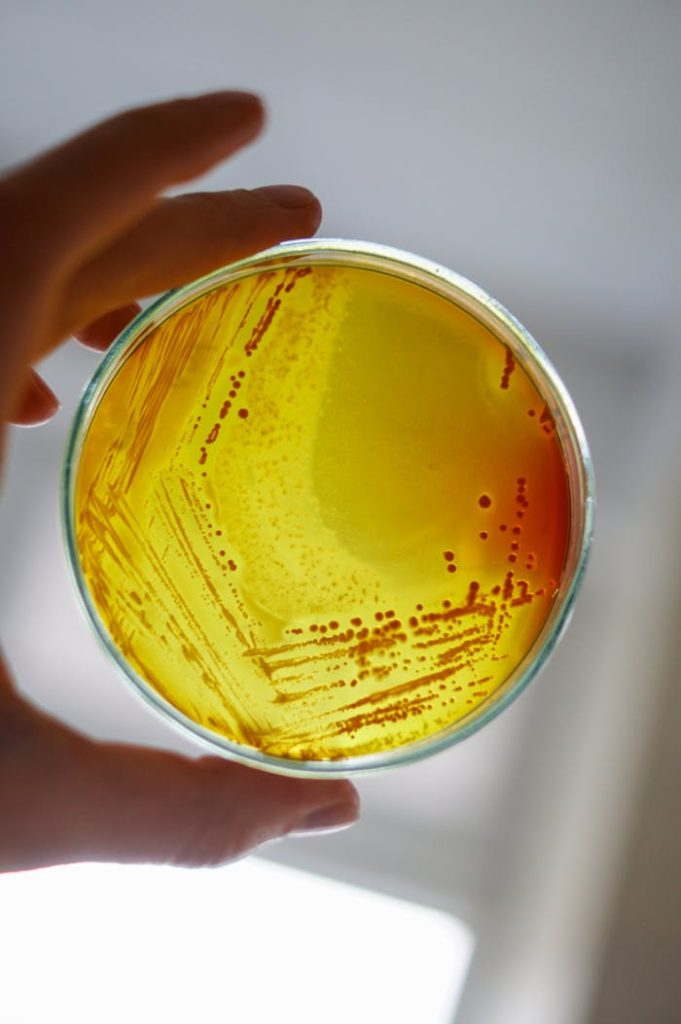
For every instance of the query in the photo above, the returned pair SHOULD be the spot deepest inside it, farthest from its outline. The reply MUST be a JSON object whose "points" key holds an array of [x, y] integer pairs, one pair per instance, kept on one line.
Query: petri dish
{"points": [[327, 508]]}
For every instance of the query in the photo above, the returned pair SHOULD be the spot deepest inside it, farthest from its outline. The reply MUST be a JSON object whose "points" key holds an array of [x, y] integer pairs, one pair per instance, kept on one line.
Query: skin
{"points": [[87, 232]]}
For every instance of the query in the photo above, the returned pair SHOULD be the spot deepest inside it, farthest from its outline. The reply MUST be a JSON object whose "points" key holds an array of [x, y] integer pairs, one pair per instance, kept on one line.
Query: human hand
{"points": [[85, 234]]}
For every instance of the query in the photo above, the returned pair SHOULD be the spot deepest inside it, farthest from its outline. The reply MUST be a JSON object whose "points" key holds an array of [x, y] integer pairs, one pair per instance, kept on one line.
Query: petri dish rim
{"points": [[493, 315]]}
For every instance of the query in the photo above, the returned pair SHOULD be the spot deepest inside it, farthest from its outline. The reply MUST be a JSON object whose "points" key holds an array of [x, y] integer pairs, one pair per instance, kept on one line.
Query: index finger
{"points": [[77, 196]]}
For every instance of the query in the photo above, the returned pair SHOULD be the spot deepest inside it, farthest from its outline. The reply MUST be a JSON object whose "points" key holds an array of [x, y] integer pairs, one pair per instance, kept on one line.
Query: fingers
{"points": [[37, 402], [68, 799], [99, 334], [160, 808], [76, 197], [70, 202], [183, 238]]}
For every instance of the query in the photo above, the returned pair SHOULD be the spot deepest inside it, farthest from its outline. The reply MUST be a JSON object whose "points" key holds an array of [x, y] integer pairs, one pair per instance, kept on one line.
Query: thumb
{"points": [[74, 799], [162, 807]]}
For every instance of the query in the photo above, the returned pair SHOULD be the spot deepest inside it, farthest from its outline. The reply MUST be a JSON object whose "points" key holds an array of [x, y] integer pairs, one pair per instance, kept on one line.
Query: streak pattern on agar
{"points": [[326, 526]]}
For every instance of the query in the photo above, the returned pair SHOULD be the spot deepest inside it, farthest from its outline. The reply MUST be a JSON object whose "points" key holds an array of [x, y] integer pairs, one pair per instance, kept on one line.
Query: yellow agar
{"points": [[322, 511]]}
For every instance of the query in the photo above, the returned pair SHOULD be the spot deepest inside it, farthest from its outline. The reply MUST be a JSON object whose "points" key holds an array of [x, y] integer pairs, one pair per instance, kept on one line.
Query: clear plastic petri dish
{"points": [[327, 508]]}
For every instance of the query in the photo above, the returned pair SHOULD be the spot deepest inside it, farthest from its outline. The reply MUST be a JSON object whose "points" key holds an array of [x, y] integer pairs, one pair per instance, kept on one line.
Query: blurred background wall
{"points": [[534, 148]]}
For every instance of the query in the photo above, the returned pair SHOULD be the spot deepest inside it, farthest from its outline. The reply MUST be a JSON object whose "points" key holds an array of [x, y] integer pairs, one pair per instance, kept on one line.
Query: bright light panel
{"points": [[253, 942]]}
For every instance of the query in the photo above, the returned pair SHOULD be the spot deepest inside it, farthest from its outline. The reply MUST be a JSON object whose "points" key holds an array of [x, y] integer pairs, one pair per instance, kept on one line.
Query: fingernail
{"points": [[290, 197], [327, 819]]}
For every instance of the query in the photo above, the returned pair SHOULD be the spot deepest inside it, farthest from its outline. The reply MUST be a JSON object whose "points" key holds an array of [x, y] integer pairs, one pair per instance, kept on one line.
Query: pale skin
{"points": [[86, 233]]}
